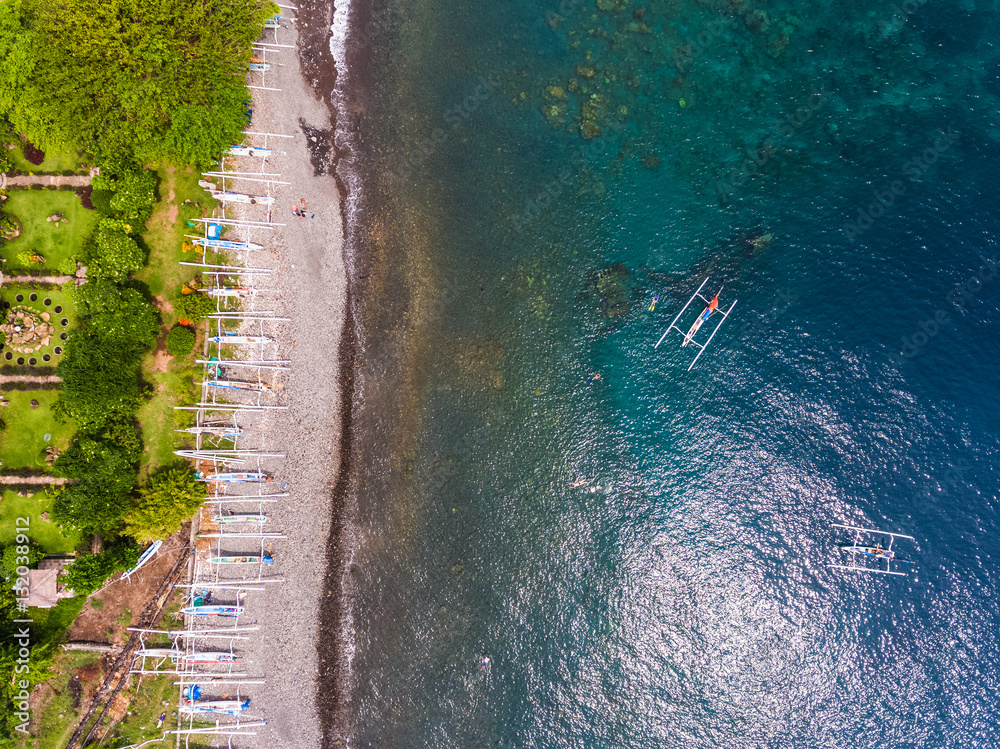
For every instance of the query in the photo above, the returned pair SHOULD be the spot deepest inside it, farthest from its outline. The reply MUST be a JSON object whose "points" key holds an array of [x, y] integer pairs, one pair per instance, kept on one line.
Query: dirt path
{"points": [[39, 279]]}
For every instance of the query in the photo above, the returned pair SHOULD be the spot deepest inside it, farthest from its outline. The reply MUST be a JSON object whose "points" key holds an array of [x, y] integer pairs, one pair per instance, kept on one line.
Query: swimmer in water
{"points": [[484, 664]]}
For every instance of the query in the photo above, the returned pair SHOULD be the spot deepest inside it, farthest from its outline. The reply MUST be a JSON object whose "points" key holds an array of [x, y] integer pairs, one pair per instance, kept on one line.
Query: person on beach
{"points": [[295, 210]]}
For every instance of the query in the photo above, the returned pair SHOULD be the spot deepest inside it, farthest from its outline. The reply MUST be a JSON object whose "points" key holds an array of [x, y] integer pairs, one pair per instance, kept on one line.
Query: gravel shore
{"points": [[308, 286]]}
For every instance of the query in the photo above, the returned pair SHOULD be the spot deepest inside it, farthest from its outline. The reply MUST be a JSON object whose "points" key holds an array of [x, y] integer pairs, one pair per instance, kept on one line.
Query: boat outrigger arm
{"points": [[861, 551], [711, 309]]}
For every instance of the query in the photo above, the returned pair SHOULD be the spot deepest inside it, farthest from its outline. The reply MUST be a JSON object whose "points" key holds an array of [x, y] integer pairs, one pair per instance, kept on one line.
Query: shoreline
{"points": [[311, 284]]}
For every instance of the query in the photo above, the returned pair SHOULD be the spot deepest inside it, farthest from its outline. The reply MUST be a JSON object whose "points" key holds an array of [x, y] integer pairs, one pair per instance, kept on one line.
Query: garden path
{"points": [[37, 379], [25, 180], [11, 479]]}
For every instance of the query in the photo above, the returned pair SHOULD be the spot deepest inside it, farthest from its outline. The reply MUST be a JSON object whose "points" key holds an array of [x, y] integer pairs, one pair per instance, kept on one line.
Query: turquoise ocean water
{"points": [[527, 177]]}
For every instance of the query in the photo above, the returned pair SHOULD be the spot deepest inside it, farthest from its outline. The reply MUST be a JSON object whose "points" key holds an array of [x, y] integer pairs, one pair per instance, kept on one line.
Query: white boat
{"points": [[210, 657], [158, 653], [239, 197], [240, 519], [250, 151], [226, 707], [254, 339], [252, 477], [225, 244]]}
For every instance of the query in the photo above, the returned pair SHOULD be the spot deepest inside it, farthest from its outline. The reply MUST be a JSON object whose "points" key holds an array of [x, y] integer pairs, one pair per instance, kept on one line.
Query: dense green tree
{"points": [[133, 191], [194, 307], [89, 573], [100, 379], [119, 314], [113, 254], [9, 559], [98, 499], [170, 498], [148, 79]]}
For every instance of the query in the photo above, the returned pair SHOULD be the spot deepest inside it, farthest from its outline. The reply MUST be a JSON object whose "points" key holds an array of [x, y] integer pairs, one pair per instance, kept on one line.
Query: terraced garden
{"points": [[51, 245], [35, 322]]}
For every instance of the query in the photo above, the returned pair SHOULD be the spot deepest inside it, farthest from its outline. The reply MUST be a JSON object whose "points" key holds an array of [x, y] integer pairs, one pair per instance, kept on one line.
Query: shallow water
{"points": [[832, 167]]}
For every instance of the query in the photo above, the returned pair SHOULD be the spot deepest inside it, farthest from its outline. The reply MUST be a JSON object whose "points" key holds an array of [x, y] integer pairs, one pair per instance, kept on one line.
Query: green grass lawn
{"points": [[164, 276], [55, 242], [55, 161], [61, 307], [60, 714], [22, 442], [43, 532]]}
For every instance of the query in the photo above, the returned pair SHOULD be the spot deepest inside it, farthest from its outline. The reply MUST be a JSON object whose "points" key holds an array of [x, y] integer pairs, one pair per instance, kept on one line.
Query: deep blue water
{"points": [[681, 597]]}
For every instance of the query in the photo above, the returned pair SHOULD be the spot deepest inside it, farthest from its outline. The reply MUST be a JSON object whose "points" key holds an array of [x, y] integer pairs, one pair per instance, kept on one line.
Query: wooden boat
{"points": [[212, 610], [248, 559], [210, 657]]}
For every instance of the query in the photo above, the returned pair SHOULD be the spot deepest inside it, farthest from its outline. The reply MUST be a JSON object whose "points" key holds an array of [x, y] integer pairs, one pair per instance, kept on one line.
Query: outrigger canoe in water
{"points": [[712, 306], [212, 610], [250, 559]]}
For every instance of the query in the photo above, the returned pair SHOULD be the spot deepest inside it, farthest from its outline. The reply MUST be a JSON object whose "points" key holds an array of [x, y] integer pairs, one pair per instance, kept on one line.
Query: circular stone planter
{"points": [[33, 297], [58, 349], [46, 357], [19, 298], [57, 309], [63, 336], [32, 361], [8, 356], [20, 360], [64, 322], [46, 301]]}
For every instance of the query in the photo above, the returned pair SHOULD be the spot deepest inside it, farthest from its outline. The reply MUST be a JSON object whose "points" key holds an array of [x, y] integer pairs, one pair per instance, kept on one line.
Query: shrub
{"points": [[169, 499], [84, 193], [9, 559], [88, 574], [120, 314], [67, 266], [180, 341], [98, 499], [114, 255], [100, 378], [101, 200], [33, 155], [132, 188], [195, 307]]}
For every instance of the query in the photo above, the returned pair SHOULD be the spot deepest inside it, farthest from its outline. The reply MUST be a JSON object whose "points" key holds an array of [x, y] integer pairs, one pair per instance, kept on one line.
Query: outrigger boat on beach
{"points": [[171, 653], [146, 557], [242, 519], [224, 244], [210, 657], [224, 707], [689, 337], [862, 551], [224, 431], [253, 387], [228, 291], [245, 559], [238, 197], [252, 477], [250, 151], [235, 338], [212, 610]]}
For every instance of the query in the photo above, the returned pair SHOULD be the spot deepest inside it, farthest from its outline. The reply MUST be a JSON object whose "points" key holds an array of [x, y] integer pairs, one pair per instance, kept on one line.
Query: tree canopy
{"points": [[152, 80], [170, 498]]}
